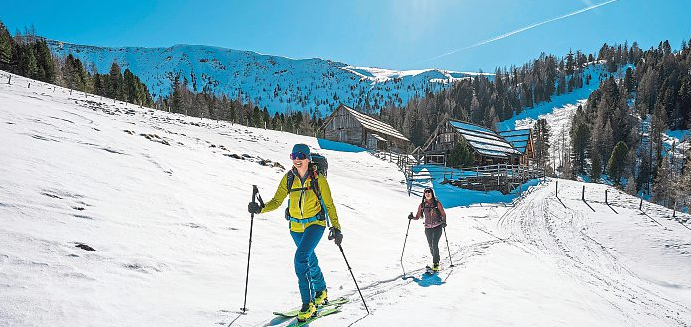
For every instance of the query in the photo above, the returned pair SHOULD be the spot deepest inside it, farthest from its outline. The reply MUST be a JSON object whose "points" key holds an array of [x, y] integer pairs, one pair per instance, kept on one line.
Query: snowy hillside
{"points": [[161, 199], [280, 84], [559, 111]]}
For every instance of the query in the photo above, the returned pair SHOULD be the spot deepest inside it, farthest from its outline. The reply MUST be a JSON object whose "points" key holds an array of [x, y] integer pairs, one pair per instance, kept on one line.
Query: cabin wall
{"points": [[344, 128], [445, 139]]}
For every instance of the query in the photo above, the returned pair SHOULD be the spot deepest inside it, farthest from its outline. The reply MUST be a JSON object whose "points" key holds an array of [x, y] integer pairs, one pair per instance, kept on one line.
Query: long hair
{"points": [[434, 197]]}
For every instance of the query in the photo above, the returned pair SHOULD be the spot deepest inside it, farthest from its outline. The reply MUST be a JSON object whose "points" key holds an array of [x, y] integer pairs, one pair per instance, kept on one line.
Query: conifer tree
{"points": [[541, 134], [116, 82], [461, 155], [663, 187], [5, 47], [596, 169], [617, 162]]}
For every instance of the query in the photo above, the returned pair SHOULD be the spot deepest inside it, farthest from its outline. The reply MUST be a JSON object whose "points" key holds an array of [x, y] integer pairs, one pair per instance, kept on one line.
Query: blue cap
{"points": [[302, 148]]}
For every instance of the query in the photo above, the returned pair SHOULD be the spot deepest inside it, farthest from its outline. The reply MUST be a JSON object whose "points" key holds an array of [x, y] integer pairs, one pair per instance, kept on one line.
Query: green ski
{"points": [[320, 313], [294, 312]]}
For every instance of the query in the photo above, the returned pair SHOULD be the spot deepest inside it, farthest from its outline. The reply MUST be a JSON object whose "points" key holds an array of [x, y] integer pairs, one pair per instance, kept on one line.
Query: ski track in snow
{"points": [[160, 199]]}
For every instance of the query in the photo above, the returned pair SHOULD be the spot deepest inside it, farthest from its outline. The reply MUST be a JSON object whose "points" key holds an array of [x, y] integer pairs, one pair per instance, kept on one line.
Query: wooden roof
{"points": [[517, 138], [370, 123], [485, 141]]}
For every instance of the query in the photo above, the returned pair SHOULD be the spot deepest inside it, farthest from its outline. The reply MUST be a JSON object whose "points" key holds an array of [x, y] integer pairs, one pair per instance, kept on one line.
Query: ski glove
{"points": [[336, 235], [410, 216], [254, 207]]}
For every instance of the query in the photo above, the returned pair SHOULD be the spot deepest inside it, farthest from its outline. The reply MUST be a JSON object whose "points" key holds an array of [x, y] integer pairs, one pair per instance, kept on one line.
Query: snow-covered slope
{"points": [[560, 110], [280, 84], [162, 199]]}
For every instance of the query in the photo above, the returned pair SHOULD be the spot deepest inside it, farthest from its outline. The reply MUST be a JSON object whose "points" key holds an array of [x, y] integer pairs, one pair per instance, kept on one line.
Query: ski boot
{"points": [[306, 312], [435, 267], [320, 298]]}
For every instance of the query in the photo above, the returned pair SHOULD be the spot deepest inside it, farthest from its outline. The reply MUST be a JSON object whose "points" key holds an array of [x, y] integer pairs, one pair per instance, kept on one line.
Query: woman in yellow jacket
{"points": [[308, 215]]}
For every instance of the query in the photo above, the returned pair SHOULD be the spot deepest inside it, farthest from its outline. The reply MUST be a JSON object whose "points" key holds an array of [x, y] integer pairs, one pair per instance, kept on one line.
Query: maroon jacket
{"points": [[432, 216]]}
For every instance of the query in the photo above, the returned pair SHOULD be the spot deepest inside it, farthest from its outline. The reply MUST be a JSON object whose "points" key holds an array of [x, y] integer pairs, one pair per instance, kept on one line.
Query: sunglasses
{"points": [[428, 191], [298, 156]]}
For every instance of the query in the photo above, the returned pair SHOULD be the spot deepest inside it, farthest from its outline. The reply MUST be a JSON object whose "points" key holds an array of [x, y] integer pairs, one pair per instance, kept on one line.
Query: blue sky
{"points": [[397, 34]]}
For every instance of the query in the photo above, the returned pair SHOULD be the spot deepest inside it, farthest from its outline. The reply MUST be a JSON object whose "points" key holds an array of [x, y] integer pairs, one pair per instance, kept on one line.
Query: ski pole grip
{"points": [[255, 191], [331, 234]]}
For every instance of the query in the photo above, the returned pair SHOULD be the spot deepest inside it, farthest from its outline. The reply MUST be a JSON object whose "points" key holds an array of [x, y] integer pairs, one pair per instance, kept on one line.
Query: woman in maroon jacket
{"points": [[435, 221]]}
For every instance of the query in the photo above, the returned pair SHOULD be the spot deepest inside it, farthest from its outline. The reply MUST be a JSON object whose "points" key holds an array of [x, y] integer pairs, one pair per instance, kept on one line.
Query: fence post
{"points": [[9, 80], [583, 193], [556, 189], [607, 203], [28, 86], [640, 205]]}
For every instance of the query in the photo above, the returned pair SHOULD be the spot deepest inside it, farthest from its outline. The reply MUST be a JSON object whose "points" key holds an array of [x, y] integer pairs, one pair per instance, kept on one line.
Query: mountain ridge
{"points": [[280, 84]]}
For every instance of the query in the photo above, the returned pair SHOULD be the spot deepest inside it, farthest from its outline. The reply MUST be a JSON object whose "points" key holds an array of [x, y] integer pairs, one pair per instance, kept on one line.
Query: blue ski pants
{"points": [[310, 278]]}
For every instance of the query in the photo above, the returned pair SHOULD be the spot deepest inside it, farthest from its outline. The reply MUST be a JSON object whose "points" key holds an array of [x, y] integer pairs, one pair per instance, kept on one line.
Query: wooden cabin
{"points": [[521, 140], [348, 125], [488, 147]]}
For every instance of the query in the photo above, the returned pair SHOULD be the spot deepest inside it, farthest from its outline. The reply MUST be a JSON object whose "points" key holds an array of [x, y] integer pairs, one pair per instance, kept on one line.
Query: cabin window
{"points": [[446, 138]]}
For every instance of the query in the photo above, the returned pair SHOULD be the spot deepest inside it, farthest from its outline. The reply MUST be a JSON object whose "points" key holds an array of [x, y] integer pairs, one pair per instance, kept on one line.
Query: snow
{"points": [[484, 140], [278, 83], [170, 229], [529, 115]]}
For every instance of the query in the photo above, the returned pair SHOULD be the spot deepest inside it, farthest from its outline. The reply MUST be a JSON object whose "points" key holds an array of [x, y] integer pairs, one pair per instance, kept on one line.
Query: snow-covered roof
{"points": [[375, 125], [483, 140], [517, 138]]}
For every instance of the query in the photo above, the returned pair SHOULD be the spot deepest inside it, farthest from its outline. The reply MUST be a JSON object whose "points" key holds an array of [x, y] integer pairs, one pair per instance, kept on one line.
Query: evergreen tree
{"points": [[116, 82], [31, 64], [628, 80], [596, 169], [541, 134], [5, 47], [617, 162], [579, 145], [461, 155], [662, 189]]}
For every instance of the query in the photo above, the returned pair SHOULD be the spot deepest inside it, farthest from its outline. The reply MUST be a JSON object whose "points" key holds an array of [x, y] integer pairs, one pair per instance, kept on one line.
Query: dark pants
{"points": [[433, 237], [310, 278]]}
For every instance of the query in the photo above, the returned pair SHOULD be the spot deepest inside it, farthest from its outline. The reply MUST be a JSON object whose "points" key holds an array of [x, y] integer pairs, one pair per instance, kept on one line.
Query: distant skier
{"points": [[435, 222], [307, 216]]}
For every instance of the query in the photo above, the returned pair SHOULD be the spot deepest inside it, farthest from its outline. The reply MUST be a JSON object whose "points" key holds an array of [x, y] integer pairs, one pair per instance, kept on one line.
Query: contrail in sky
{"points": [[522, 29]]}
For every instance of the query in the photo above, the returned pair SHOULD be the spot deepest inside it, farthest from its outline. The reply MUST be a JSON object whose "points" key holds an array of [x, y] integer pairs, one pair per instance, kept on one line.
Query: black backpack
{"points": [[321, 164]]}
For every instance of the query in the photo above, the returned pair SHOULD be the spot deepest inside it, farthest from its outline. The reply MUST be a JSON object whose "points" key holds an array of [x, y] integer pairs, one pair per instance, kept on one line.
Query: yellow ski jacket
{"points": [[304, 203]]}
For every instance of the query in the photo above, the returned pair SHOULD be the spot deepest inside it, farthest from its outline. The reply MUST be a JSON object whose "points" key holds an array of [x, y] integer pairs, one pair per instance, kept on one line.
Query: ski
{"points": [[294, 313], [430, 271], [317, 315]]}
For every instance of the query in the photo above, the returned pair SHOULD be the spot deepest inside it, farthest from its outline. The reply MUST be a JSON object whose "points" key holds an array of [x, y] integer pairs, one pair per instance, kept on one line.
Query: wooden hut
{"points": [[488, 147], [521, 140], [347, 125]]}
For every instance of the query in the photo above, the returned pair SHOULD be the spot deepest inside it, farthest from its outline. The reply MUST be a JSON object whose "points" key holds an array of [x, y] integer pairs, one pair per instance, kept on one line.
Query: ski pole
{"points": [[351, 274], [255, 194], [447, 246], [404, 242]]}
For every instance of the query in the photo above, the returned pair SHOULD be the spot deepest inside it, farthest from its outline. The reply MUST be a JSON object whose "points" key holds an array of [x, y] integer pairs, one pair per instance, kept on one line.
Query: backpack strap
{"points": [[314, 177], [314, 186]]}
